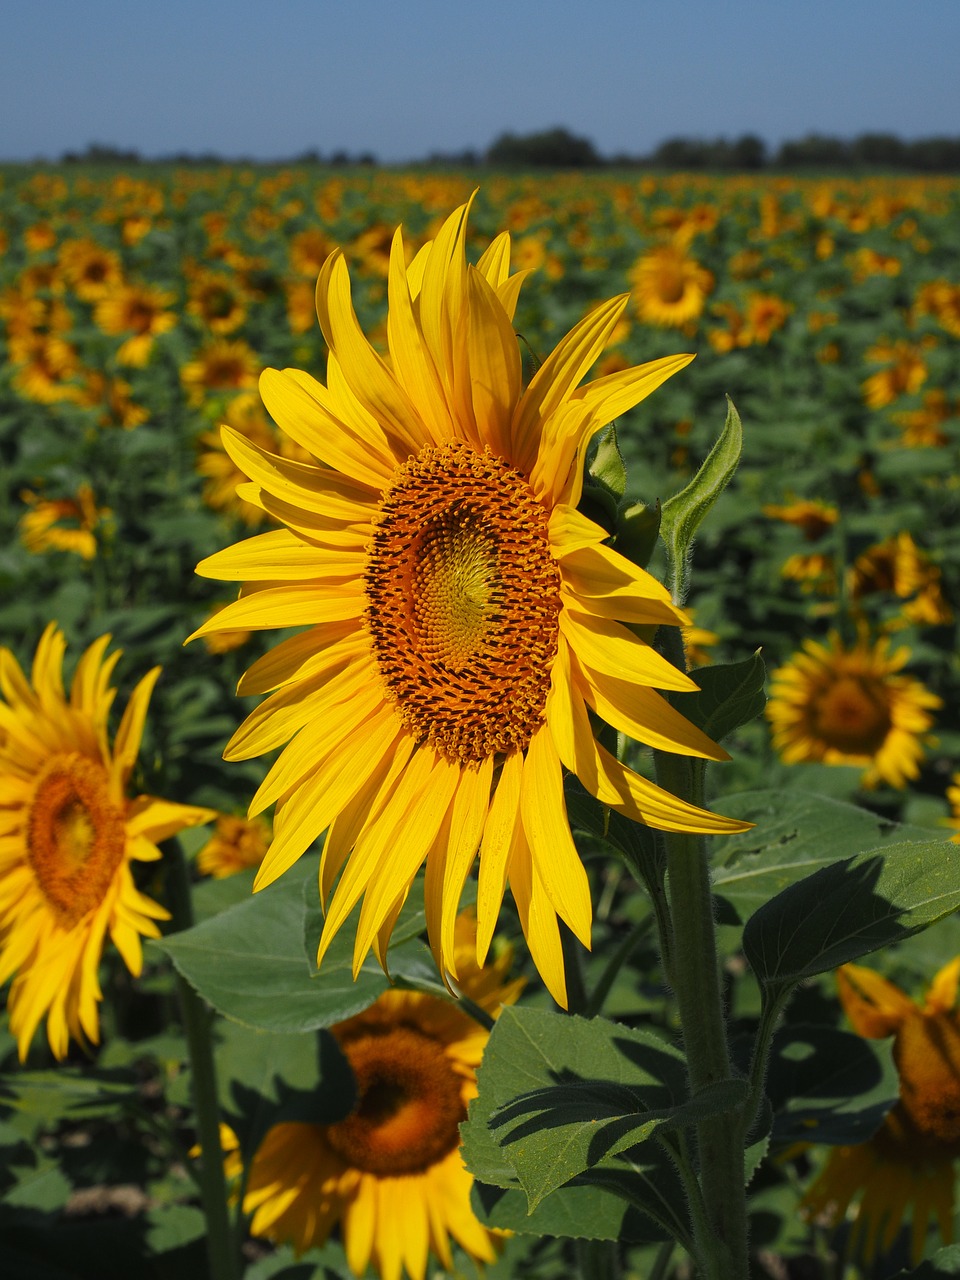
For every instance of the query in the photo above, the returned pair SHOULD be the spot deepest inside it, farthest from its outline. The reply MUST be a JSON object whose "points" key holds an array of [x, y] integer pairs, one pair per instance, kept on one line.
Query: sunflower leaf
{"points": [[796, 833], [683, 514], [730, 695], [249, 963], [594, 1092], [829, 1086], [849, 909]]}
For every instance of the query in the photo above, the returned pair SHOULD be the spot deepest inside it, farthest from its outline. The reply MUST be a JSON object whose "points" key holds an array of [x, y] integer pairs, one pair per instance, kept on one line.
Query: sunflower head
{"points": [[852, 706], [462, 615], [390, 1172], [906, 1169], [69, 837]]}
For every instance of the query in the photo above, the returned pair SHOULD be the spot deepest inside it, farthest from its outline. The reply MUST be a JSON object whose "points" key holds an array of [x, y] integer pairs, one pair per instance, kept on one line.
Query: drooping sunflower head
{"points": [[906, 1170], [852, 706], [462, 615], [69, 835]]}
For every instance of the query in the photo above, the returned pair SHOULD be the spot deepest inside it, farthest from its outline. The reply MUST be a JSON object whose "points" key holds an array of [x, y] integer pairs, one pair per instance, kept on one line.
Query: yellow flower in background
{"points": [[953, 799], [905, 1172], [904, 373], [215, 299], [812, 518], [68, 837], [62, 524], [90, 269], [940, 299], [462, 615], [670, 288], [220, 366], [851, 706], [923, 428], [237, 843], [139, 310], [898, 568], [390, 1174]]}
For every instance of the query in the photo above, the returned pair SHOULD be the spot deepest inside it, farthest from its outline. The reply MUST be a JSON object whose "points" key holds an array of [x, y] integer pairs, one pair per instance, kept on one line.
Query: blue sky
{"points": [[407, 77]]}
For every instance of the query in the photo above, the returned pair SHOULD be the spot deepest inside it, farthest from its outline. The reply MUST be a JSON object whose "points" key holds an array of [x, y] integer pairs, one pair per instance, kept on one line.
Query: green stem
{"points": [[769, 1017], [696, 984], [222, 1250], [662, 1260], [598, 1259]]}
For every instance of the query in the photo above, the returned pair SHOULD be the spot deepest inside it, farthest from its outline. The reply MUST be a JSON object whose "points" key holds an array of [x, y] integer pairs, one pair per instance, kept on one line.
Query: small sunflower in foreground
{"points": [[390, 1174], [906, 1170], [851, 706], [462, 614], [68, 836]]}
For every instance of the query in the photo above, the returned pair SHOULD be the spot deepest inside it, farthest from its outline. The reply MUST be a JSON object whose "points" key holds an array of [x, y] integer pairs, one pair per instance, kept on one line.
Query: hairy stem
{"points": [[222, 1252]]}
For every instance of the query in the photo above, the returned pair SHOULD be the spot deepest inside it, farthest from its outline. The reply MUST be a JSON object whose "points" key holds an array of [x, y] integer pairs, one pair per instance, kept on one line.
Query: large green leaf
{"points": [[796, 833], [847, 910], [590, 1091], [249, 963], [581, 1211], [829, 1086]]}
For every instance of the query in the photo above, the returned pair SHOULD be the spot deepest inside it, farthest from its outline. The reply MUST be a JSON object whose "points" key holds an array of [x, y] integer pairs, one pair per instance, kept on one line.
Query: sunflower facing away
{"points": [[463, 617], [907, 1168], [390, 1174], [68, 833], [851, 706]]}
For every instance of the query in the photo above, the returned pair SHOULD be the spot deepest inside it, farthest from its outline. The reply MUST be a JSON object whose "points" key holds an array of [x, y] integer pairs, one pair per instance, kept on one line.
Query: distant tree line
{"points": [[559, 148]]}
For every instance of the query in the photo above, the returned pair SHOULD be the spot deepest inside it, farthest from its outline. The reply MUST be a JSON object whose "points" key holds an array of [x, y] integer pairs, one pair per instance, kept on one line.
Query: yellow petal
{"points": [[875, 1007], [543, 812]]}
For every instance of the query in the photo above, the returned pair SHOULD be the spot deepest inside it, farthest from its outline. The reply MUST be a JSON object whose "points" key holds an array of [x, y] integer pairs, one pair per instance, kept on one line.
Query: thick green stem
{"points": [[696, 984], [222, 1251]]}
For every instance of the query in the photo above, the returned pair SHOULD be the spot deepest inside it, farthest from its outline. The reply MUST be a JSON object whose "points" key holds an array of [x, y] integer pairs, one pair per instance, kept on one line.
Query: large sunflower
{"points": [[851, 706], [68, 833], [907, 1168], [390, 1174], [463, 616]]}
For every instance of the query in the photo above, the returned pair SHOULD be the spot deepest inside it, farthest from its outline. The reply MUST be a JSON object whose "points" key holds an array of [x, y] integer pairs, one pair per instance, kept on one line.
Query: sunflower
{"points": [[216, 301], [812, 518], [907, 1168], [237, 843], [904, 373], [91, 270], [463, 614], [42, 528], [670, 287], [390, 1173], [898, 567], [139, 310], [220, 366], [68, 836], [851, 706]]}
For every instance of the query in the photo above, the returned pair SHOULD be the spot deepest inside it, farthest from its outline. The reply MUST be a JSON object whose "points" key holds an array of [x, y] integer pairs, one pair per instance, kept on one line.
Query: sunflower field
{"points": [[492, 504]]}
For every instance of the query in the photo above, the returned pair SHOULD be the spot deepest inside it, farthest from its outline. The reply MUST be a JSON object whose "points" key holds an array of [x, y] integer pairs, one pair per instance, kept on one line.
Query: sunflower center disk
{"points": [[409, 1104], [463, 597], [76, 836], [853, 716]]}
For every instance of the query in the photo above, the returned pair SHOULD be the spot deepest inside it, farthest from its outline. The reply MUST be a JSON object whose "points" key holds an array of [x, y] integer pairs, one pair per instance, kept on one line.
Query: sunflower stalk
{"points": [[696, 984], [222, 1250]]}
